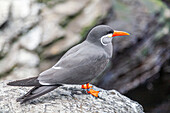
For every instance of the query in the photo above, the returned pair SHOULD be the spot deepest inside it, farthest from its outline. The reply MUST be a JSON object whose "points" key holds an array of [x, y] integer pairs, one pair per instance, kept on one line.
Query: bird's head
{"points": [[104, 34]]}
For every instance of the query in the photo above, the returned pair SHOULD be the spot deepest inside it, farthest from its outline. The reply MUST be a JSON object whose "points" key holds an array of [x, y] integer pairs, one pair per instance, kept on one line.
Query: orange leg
{"points": [[89, 90], [93, 92], [86, 86]]}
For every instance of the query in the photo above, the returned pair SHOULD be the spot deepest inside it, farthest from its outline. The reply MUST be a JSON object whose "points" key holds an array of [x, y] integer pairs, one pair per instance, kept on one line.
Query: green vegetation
{"points": [[50, 3], [43, 1]]}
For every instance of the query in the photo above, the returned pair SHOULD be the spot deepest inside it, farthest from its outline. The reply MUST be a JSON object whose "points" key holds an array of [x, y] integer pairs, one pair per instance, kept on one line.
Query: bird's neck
{"points": [[109, 50]]}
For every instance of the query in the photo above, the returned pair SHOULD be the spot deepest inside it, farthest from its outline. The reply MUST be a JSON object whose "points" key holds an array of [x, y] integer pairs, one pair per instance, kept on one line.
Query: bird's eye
{"points": [[110, 32]]}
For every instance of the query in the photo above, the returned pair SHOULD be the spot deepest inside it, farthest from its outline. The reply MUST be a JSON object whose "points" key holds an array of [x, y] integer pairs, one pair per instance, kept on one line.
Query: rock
{"points": [[19, 30], [167, 13], [134, 21], [21, 72], [32, 39], [10, 61], [61, 45], [20, 9], [51, 31], [4, 47], [18, 27], [26, 58], [18, 24], [69, 98], [91, 14], [70, 7], [4, 11]]}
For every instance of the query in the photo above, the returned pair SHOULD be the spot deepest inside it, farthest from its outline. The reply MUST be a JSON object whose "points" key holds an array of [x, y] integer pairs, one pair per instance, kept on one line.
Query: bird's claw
{"points": [[93, 92], [86, 86], [90, 90]]}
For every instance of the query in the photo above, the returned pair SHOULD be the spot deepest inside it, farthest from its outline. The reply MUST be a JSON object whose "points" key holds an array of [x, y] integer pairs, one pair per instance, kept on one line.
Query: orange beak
{"points": [[119, 33]]}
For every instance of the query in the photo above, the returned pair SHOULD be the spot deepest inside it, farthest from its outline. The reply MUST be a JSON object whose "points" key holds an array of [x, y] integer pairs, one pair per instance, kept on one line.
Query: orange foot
{"points": [[93, 92], [86, 86]]}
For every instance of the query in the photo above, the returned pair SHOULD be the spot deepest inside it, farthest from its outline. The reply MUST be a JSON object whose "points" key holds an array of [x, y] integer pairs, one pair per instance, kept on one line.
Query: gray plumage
{"points": [[79, 65]]}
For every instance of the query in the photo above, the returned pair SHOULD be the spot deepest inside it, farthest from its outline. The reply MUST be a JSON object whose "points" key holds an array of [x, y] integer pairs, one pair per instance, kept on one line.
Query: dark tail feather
{"points": [[25, 82], [35, 92]]}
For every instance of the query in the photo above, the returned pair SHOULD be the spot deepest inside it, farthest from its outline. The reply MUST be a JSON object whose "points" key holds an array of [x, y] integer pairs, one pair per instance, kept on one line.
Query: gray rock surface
{"points": [[27, 58], [69, 99], [4, 11], [21, 72], [10, 60], [32, 39]]}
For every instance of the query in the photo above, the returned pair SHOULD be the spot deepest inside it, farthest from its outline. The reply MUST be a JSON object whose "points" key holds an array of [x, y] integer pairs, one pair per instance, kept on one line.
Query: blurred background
{"points": [[34, 34]]}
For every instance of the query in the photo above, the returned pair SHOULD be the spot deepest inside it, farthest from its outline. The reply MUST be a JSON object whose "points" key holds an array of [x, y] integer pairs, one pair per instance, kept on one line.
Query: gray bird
{"points": [[79, 65]]}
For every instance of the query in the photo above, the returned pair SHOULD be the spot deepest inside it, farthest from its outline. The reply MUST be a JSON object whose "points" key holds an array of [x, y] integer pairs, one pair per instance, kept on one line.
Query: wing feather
{"points": [[79, 65]]}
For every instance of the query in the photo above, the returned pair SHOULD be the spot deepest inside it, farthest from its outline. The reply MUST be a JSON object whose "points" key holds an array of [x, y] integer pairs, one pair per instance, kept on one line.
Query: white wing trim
{"points": [[57, 67], [43, 83]]}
